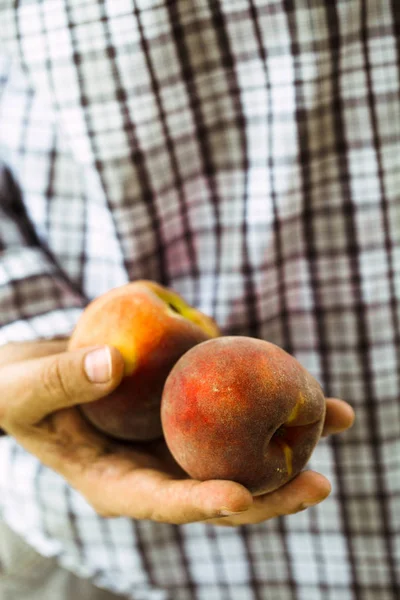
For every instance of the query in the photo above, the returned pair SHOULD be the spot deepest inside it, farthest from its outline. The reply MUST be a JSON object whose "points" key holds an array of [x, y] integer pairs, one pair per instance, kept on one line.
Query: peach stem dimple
{"points": [[173, 308], [287, 451]]}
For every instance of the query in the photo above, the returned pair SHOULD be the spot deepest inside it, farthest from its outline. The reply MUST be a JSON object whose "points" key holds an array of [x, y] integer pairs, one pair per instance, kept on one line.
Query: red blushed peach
{"points": [[242, 409], [152, 327]]}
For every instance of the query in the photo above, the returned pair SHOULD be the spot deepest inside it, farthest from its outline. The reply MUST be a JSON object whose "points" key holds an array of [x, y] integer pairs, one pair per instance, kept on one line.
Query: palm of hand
{"points": [[39, 396]]}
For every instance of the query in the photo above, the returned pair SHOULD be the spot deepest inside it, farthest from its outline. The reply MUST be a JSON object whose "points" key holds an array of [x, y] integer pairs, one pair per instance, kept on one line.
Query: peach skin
{"points": [[152, 327], [242, 409]]}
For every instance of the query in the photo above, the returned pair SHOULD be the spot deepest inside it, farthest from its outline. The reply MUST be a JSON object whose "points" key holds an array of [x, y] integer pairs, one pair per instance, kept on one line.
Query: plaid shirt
{"points": [[245, 153]]}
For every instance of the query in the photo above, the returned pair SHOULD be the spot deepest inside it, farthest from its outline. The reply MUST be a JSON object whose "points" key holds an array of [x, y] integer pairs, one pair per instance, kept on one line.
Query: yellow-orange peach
{"points": [[152, 327], [242, 409]]}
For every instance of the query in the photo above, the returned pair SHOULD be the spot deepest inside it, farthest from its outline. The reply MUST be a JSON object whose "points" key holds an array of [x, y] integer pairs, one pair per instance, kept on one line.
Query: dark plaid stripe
{"points": [[388, 244], [136, 156], [73, 522], [229, 61], [13, 208], [177, 178], [304, 161], [189, 79], [52, 155], [312, 253], [353, 252], [218, 564], [309, 231], [19, 214], [144, 553], [388, 537], [279, 262]]}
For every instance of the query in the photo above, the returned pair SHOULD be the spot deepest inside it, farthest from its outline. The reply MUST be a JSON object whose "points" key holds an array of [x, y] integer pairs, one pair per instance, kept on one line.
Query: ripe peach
{"points": [[242, 409], [152, 327]]}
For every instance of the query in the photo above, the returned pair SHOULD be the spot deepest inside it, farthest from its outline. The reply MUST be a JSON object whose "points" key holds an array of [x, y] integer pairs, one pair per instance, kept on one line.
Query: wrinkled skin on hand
{"points": [[41, 385]]}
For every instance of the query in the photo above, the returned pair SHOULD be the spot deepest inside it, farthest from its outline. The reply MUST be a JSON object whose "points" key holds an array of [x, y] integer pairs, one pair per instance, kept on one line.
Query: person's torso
{"points": [[244, 153]]}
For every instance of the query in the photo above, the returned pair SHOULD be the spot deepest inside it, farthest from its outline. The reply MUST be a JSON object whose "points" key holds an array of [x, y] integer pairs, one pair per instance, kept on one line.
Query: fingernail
{"points": [[98, 365], [306, 505], [309, 504], [224, 512]]}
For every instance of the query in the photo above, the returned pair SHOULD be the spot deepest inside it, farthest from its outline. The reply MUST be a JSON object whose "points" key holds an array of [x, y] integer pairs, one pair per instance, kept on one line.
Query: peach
{"points": [[152, 327], [242, 409]]}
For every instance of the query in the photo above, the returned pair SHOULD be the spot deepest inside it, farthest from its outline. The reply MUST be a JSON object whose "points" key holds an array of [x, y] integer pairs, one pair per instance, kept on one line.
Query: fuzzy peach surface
{"points": [[243, 409], [152, 327]]}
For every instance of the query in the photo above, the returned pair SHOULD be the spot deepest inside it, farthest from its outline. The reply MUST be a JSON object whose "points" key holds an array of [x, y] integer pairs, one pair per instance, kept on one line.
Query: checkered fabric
{"points": [[245, 153]]}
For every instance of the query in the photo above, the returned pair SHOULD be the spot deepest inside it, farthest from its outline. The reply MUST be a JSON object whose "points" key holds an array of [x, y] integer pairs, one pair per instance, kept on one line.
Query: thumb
{"points": [[33, 389]]}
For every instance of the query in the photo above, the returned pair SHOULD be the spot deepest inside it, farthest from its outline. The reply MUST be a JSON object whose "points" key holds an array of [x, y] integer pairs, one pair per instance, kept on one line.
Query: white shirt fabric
{"points": [[246, 154]]}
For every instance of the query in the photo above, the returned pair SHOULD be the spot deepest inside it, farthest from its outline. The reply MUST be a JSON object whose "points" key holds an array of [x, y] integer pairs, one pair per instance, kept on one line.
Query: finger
{"points": [[33, 389], [152, 494], [339, 416], [119, 480], [19, 351], [307, 489]]}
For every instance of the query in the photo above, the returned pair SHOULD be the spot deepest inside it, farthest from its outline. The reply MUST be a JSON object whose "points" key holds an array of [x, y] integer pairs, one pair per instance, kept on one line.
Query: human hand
{"points": [[41, 385]]}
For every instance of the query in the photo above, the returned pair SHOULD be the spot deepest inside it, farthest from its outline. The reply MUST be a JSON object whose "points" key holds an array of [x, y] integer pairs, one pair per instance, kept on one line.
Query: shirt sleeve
{"points": [[37, 299]]}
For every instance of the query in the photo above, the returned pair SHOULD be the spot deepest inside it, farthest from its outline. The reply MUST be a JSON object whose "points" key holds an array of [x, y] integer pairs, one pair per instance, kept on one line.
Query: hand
{"points": [[41, 385]]}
